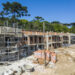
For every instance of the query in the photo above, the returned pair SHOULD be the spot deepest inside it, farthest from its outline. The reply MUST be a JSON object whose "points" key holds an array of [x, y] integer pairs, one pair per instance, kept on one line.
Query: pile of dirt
{"points": [[40, 61]]}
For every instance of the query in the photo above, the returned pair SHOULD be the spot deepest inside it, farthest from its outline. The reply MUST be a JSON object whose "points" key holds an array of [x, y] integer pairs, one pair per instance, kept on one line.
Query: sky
{"points": [[51, 10]]}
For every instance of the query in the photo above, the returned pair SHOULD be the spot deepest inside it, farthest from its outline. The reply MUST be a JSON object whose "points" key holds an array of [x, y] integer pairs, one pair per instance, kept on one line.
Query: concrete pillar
{"points": [[61, 40], [28, 40], [47, 42], [33, 39], [29, 50], [51, 42], [37, 41], [69, 39], [34, 48]]}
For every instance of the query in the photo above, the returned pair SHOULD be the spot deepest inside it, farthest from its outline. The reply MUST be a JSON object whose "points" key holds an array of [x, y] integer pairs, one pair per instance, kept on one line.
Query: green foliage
{"points": [[23, 23], [73, 24], [65, 28], [38, 18], [48, 26], [72, 30], [55, 22], [58, 27], [14, 10]]}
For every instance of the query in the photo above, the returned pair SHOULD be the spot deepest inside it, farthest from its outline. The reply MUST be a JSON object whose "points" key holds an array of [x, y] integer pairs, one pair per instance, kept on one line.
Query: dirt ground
{"points": [[65, 64]]}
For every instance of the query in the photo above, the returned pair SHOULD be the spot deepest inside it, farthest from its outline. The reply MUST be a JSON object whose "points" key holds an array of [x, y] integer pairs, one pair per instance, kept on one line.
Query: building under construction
{"points": [[47, 40], [9, 43], [16, 43]]}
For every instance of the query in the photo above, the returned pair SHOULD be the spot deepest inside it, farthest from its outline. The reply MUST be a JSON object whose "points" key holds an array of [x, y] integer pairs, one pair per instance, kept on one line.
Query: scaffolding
{"points": [[14, 46], [11, 47]]}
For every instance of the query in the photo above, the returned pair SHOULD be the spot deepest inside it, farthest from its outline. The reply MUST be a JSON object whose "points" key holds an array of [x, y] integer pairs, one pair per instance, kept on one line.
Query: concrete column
{"points": [[47, 42], [69, 39], [51, 42], [28, 40], [34, 48], [61, 40], [33, 39], [29, 50], [37, 41]]}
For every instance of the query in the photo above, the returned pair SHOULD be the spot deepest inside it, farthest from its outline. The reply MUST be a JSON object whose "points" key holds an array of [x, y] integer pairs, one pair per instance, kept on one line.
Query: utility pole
{"points": [[44, 44]]}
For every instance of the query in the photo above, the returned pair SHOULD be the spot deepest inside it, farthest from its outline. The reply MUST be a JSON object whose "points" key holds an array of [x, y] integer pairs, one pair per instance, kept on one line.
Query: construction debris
{"points": [[16, 43], [41, 54], [64, 65]]}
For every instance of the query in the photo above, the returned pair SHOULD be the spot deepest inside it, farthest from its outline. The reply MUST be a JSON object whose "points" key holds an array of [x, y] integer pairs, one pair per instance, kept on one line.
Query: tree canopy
{"points": [[14, 11], [38, 18]]}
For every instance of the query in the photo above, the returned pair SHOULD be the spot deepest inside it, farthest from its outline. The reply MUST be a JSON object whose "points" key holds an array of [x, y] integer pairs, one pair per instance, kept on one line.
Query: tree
{"points": [[23, 23], [66, 24], [38, 18], [65, 29], [14, 10], [72, 29], [37, 23], [1, 15], [58, 27], [72, 24], [48, 26], [55, 22]]}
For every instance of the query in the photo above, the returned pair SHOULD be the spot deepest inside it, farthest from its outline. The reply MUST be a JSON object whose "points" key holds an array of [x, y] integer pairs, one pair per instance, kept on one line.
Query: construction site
{"points": [[44, 53]]}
